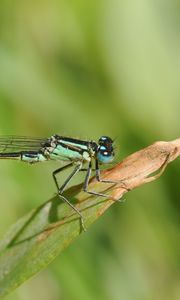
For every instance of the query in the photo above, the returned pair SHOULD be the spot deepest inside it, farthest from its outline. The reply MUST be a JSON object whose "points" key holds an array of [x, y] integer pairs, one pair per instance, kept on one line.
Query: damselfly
{"points": [[70, 150]]}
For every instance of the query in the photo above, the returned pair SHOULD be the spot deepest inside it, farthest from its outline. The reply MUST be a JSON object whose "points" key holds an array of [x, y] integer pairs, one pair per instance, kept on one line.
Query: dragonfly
{"points": [[71, 151]]}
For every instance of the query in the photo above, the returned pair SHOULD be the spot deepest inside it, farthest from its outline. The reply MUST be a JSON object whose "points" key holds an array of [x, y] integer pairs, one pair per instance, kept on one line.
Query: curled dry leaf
{"points": [[137, 169]]}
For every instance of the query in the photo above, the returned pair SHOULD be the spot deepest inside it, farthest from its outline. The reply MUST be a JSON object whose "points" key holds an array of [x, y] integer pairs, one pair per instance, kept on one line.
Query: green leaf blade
{"points": [[35, 240]]}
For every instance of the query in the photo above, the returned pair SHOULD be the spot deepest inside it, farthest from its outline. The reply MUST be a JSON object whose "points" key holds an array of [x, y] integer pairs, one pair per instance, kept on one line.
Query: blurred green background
{"points": [[84, 69]]}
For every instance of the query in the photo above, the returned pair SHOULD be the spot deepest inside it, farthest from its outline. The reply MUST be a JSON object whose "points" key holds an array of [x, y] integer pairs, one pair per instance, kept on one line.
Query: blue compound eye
{"points": [[105, 152], [104, 140]]}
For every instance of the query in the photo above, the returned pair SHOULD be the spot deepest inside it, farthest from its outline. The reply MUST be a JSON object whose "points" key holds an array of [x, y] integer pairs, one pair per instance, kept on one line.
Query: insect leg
{"points": [[108, 181], [86, 183], [62, 188], [58, 171]]}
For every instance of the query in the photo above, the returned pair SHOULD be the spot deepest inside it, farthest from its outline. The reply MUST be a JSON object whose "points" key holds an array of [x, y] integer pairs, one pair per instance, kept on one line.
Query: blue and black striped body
{"points": [[55, 148], [70, 150]]}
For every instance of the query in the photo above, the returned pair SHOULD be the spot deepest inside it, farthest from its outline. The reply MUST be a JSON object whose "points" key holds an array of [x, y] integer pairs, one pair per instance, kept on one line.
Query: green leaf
{"points": [[36, 239]]}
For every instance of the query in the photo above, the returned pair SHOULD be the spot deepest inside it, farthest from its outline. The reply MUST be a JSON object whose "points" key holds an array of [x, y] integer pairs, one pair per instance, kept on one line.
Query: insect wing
{"points": [[15, 144]]}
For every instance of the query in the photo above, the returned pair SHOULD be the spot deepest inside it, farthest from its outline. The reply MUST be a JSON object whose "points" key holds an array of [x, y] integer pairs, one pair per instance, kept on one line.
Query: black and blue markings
{"points": [[70, 150]]}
